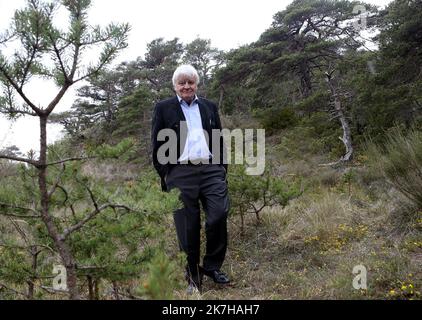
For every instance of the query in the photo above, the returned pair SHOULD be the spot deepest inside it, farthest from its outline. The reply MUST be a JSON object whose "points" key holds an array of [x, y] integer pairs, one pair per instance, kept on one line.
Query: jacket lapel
{"points": [[178, 108], [202, 110]]}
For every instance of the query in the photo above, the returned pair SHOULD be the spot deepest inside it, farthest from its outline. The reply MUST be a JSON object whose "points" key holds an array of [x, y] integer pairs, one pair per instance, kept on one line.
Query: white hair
{"points": [[185, 70]]}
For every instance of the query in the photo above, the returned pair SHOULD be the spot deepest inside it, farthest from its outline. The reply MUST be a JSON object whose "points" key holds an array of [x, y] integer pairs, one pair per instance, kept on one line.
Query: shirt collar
{"points": [[193, 101]]}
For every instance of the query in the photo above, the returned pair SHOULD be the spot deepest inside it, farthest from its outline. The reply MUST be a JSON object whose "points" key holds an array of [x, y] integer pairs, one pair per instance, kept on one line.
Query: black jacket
{"points": [[167, 115]]}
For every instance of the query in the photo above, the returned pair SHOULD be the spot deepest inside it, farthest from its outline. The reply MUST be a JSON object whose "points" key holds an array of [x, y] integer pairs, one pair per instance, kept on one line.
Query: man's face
{"points": [[186, 87]]}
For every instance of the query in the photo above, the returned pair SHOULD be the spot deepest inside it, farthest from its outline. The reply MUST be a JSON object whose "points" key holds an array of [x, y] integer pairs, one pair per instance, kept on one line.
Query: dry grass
{"points": [[111, 171], [309, 250]]}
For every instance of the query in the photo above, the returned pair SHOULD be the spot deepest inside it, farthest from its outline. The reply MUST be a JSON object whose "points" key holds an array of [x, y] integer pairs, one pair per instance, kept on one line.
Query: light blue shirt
{"points": [[196, 147]]}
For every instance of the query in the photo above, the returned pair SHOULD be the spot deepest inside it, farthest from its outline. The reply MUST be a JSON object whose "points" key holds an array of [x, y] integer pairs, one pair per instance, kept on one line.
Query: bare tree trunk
{"points": [[31, 287], [220, 100], [339, 113], [306, 83], [62, 248], [347, 135]]}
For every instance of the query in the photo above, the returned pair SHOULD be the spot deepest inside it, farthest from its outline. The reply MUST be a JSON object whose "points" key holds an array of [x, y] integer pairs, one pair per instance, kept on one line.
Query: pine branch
{"points": [[91, 194], [6, 205], [20, 231], [19, 159], [18, 89], [31, 59], [59, 58], [75, 61], [53, 291], [6, 37], [91, 216], [97, 69], [43, 246], [19, 111], [68, 160], [3, 286], [57, 98], [50, 194]]}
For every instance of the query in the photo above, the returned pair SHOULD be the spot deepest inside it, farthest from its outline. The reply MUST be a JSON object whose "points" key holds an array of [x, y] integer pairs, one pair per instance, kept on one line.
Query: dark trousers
{"points": [[206, 184]]}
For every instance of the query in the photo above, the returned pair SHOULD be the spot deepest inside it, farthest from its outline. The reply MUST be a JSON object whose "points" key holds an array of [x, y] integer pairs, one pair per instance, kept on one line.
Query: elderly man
{"points": [[199, 172]]}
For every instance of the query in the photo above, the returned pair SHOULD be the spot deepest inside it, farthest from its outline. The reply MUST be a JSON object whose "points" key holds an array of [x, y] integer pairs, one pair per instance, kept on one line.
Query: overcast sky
{"points": [[228, 23]]}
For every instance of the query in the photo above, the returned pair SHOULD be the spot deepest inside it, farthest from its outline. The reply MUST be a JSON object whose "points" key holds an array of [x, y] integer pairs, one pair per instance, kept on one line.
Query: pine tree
{"points": [[39, 40]]}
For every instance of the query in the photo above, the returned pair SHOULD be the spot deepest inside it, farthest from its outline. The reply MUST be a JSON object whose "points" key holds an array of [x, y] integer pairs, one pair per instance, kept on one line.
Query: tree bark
{"points": [[347, 135], [340, 114], [62, 248], [33, 250], [220, 100], [306, 83]]}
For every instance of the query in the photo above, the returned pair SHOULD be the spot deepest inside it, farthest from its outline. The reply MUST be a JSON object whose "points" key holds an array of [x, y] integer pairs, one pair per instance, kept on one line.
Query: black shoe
{"points": [[218, 276]]}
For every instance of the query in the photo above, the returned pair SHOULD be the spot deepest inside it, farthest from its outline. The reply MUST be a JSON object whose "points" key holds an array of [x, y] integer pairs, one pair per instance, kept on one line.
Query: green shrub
{"points": [[251, 194], [400, 160], [274, 119], [161, 278]]}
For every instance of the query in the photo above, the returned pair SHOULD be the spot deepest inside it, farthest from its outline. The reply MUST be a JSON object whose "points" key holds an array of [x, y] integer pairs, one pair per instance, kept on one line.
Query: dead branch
{"points": [[6, 205], [3, 286], [19, 159], [53, 189], [54, 291]]}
